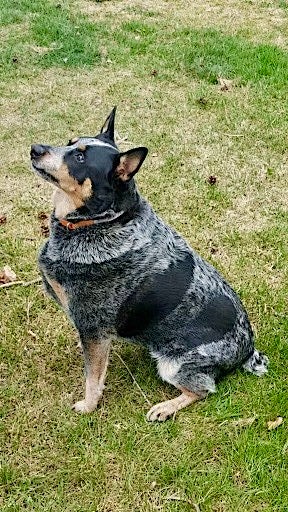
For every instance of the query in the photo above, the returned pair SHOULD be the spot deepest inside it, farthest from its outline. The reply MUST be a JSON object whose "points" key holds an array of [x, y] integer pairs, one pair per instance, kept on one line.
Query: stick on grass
{"points": [[133, 378], [21, 283]]}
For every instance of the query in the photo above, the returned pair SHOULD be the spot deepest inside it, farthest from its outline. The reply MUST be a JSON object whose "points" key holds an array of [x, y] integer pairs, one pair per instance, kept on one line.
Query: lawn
{"points": [[204, 86]]}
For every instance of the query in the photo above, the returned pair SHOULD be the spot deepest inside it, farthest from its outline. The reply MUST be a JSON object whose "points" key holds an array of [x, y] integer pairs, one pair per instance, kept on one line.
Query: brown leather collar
{"points": [[71, 225], [103, 218]]}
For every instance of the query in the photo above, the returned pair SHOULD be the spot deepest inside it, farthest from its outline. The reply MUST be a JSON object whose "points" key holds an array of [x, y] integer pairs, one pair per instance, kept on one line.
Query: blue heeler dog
{"points": [[117, 269]]}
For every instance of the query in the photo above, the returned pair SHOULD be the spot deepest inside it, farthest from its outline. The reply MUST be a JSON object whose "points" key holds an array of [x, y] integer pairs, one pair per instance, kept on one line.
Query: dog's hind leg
{"points": [[194, 382], [163, 410], [96, 354]]}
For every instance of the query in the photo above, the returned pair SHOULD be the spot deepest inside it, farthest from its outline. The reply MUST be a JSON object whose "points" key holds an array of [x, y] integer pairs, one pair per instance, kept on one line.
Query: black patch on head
{"points": [[216, 319], [95, 163], [155, 298], [105, 138]]}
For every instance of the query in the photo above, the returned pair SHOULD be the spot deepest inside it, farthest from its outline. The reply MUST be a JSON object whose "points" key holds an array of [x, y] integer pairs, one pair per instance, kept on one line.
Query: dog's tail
{"points": [[257, 363]]}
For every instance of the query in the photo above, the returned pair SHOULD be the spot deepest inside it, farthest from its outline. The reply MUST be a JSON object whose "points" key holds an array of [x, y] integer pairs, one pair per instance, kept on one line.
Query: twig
{"points": [[122, 140], [285, 448], [174, 497], [22, 283], [234, 134], [133, 378]]}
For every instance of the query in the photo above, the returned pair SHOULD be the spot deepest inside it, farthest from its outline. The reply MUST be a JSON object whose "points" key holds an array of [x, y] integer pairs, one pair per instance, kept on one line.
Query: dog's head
{"points": [[89, 172]]}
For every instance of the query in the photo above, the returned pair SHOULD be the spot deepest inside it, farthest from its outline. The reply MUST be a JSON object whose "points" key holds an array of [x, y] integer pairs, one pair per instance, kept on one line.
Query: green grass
{"points": [[64, 65], [54, 35]]}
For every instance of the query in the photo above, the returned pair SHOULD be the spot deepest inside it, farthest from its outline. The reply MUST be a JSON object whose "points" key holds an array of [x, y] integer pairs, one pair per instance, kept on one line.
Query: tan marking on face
{"points": [[74, 140], [72, 195], [82, 147], [63, 204]]}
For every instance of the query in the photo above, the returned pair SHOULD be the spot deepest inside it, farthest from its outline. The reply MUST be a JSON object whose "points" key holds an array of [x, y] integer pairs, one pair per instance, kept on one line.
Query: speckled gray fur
{"points": [[100, 266], [136, 277]]}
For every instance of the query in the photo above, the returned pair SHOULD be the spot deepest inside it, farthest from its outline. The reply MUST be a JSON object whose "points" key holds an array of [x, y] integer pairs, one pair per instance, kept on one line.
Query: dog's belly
{"points": [[155, 298], [174, 314]]}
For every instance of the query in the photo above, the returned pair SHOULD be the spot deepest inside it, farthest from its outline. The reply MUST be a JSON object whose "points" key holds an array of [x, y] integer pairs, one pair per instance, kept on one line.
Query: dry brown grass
{"points": [[257, 19], [241, 171]]}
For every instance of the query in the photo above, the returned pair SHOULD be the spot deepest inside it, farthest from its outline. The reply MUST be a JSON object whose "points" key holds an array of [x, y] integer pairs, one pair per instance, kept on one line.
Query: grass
{"points": [[64, 65]]}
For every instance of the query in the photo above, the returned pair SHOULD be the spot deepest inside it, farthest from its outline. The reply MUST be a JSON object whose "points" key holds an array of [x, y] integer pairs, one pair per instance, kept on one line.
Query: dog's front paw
{"points": [[161, 411], [84, 407]]}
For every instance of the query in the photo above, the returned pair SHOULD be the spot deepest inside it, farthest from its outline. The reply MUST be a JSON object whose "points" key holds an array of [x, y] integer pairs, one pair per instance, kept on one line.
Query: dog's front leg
{"points": [[96, 354]]}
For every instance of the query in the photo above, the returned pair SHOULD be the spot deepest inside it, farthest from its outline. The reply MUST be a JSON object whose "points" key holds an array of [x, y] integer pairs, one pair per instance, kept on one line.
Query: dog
{"points": [[118, 270]]}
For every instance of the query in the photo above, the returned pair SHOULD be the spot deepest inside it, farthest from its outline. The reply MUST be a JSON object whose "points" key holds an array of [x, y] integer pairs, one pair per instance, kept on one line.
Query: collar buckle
{"points": [[70, 226]]}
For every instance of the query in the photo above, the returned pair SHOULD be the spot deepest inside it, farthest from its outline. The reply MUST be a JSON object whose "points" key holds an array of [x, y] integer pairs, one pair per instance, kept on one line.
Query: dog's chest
{"points": [[87, 290]]}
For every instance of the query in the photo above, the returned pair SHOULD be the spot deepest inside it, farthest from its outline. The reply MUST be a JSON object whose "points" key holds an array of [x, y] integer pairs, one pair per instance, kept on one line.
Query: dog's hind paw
{"points": [[84, 407], [163, 410]]}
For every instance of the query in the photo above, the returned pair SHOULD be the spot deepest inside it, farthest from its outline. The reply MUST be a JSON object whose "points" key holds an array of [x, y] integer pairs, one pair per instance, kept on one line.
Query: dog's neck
{"points": [[102, 242], [64, 204], [65, 207]]}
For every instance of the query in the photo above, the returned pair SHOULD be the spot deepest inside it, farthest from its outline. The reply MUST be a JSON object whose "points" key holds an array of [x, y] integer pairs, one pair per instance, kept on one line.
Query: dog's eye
{"points": [[80, 157]]}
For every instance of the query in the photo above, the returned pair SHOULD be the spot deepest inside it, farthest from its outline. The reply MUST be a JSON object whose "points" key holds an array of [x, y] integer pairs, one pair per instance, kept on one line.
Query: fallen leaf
{"points": [[3, 219], [44, 226], [10, 274], [42, 215], [212, 180], [45, 231], [275, 424], [202, 101], [154, 72], [225, 84], [243, 422], [7, 275]]}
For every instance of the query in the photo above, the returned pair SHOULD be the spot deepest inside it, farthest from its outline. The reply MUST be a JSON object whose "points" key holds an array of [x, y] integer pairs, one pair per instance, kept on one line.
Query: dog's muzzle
{"points": [[37, 151]]}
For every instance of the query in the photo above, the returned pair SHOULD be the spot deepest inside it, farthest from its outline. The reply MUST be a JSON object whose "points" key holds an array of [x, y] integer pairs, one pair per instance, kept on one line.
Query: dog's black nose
{"points": [[38, 150]]}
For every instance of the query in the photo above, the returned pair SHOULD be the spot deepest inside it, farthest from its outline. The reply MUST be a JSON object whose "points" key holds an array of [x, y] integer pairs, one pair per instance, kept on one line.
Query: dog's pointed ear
{"points": [[130, 163], [108, 126]]}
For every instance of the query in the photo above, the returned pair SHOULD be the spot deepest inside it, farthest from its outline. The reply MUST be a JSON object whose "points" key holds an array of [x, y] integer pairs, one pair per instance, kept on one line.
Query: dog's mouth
{"points": [[44, 174]]}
